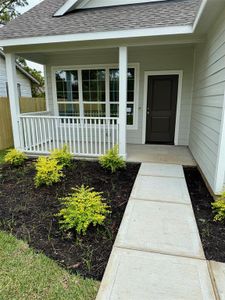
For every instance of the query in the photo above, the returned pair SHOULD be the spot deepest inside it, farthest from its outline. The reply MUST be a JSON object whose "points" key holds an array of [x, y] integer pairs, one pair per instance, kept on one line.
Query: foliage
{"points": [[111, 160], [63, 156], [2, 156], [219, 208], [15, 157], [8, 9], [32, 275], [48, 171], [81, 208]]}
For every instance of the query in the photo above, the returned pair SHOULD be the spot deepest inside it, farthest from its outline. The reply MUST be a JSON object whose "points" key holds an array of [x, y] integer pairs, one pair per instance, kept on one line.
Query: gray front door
{"points": [[161, 109]]}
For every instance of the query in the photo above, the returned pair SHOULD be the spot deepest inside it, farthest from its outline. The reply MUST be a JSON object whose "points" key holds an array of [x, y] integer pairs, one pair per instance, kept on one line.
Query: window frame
{"points": [[107, 67]]}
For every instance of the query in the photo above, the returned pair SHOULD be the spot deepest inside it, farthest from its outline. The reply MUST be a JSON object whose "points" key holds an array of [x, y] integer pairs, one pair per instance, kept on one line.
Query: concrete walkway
{"points": [[158, 253]]}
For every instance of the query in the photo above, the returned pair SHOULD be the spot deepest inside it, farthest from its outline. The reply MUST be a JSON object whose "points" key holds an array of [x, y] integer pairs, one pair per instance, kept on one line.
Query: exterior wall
{"points": [[150, 59], [208, 102], [21, 79]]}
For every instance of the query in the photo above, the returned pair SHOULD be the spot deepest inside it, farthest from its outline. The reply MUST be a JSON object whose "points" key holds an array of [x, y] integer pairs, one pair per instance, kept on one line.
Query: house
{"points": [[24, 80], [119, 72]]}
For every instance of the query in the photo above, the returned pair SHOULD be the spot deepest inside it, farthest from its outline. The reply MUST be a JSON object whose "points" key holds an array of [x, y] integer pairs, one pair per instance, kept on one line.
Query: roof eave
{"points": [[93, 36]]}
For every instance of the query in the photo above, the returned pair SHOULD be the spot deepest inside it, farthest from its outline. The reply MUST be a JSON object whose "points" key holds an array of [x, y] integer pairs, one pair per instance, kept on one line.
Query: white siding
{"points": [[150, 59], [21, 79], [208, 100]]}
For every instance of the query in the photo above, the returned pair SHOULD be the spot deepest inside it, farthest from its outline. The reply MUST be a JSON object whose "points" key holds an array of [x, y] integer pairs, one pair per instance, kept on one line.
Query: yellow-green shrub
{"points": [[63, 156], [15, 157], [48, 171], [111, 160], [81, 208], [219, 208]]}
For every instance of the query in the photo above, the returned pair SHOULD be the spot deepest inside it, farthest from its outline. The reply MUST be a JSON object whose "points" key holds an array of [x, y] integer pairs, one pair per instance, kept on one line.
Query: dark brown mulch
{"points": [[28, 213], [212, 233]]}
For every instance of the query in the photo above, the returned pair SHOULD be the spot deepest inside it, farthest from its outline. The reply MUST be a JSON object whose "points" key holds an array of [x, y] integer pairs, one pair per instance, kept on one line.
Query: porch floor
{"points": [[179, 155]]}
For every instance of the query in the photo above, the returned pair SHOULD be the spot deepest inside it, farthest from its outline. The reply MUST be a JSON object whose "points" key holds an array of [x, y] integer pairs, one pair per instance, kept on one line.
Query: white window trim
{"points": [[179, 97], [79, 69]]}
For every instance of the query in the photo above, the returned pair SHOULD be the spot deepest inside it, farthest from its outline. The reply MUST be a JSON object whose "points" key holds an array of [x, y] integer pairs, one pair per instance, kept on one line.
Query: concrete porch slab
{"points": [[218, 270], [165, 170], [165, 154], [161, 188], [137, 275], [160, 227]]}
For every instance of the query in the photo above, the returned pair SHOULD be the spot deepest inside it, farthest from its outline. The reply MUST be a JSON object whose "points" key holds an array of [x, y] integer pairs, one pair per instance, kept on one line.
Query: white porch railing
{"points": [[88, 136]]}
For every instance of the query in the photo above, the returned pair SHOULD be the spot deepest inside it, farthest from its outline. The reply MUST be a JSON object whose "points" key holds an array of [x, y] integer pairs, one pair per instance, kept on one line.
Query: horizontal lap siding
{"points": [[21, 79], [208, 99]]}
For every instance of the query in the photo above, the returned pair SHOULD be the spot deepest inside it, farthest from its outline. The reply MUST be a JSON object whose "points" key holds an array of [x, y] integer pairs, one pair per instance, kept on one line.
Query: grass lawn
{"points": [[2, 154], [26, 275]]}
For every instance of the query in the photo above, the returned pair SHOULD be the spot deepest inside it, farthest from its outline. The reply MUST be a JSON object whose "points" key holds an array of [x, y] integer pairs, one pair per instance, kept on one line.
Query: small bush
{"points": [[48, 171], [111, 160], [219, 208], [81, 208], [15, 157], [63, 156]]}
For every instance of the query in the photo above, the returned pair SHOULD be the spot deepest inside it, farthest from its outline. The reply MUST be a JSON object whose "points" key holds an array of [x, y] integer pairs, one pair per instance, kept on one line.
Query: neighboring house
{"points": [[125, 72], [24, 80]]}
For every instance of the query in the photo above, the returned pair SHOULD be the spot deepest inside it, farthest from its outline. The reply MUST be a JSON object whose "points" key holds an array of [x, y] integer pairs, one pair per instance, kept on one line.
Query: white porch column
{"points": [[122, 101], [13, 97]]}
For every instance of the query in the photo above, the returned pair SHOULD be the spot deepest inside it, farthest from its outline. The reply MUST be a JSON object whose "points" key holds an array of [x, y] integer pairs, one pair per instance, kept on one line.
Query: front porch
{"points": [[98, 98]]}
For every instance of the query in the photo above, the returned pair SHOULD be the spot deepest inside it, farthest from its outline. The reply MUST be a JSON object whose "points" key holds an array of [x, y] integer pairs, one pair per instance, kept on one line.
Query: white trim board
{"points": [[179, 97], [136, 66], [107, 35]]}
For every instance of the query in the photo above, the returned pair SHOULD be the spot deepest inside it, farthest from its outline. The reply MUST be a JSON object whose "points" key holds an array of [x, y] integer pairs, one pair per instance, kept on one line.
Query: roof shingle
{"points": [[40, 21]]}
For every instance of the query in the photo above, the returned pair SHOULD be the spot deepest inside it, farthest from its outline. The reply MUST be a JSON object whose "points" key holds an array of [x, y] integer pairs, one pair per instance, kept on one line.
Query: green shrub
{"points": [[219, 208], [15, 157], [63, 156], [49, 171], [111, 160], [81, 208]]}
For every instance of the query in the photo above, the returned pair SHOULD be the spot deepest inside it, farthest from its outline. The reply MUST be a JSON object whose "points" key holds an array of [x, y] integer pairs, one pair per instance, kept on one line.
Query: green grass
{"points": [[26, 275], [2, 155]]}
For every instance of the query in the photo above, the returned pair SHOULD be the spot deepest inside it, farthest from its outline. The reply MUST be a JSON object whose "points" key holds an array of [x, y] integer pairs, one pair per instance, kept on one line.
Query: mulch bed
{"points": [[29, 213], [212, 233]]}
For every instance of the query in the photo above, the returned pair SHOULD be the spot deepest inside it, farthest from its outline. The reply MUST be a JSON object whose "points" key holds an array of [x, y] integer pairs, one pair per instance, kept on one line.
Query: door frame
{"points": [[179, 94]]}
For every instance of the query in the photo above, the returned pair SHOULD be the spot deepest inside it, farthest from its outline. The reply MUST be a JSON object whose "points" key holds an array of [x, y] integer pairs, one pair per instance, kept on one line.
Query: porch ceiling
{"points": [[43, 53]]}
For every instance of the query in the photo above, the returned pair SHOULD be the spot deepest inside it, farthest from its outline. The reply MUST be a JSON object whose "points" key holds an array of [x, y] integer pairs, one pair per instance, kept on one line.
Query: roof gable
{"points": [[71, 5]]}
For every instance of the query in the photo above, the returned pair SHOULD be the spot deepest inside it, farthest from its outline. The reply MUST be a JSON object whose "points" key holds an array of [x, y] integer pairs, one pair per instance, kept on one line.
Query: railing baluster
{"points": [[69, 128], [29, 134], [109, 135], [95, 137], [78, 135], [53, 133], [100, 134], [113, 133], [33, 135], [45, 136], [104, 136], [82, 135]]}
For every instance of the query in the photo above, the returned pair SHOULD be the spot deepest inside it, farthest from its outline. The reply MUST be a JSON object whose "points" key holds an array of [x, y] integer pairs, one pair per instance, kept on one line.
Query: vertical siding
{"points": [[208, 99], [150, 59], [21, 79]]}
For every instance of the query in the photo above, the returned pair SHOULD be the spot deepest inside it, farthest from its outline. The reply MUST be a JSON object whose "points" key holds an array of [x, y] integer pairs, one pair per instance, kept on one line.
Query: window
{"points": [[114, 94], [19, 90], [68, 93], [94, 93]]}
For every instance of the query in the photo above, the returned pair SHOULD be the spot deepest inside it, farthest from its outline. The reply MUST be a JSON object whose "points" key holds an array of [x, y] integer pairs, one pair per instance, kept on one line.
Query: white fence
{"points": [[88, 136]]}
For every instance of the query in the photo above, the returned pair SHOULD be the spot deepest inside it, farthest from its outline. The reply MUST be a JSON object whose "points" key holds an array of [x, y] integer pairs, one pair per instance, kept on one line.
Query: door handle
{"points": [[148, 111]]}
